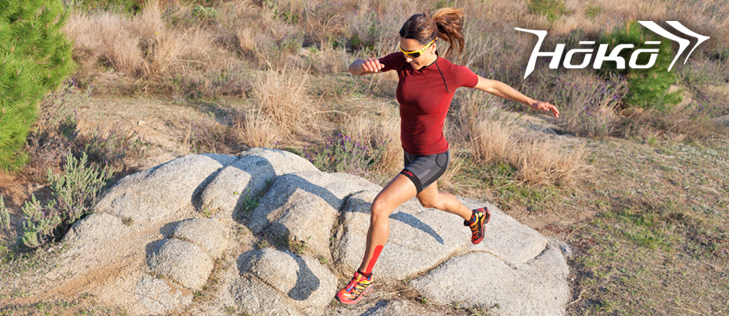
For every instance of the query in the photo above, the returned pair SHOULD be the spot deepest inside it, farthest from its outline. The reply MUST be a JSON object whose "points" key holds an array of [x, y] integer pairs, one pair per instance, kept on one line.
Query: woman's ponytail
{"points": [[449, 22]]}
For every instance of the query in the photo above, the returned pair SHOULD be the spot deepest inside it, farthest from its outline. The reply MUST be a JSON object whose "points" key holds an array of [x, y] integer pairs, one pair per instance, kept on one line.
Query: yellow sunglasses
{"points": [[416, 53]]}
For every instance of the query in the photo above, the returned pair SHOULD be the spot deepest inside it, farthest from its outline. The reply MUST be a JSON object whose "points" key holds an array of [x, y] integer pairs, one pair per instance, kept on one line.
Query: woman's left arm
{"points": [[503, 90]]}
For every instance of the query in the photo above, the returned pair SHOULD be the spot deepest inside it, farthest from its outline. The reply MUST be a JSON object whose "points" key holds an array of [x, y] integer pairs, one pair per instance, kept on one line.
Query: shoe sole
{"points": [[368, 290], [487, 214]]}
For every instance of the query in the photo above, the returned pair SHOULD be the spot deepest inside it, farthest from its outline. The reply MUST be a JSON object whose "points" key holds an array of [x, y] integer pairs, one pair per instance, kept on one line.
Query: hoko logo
{"points": [[602, 54]]}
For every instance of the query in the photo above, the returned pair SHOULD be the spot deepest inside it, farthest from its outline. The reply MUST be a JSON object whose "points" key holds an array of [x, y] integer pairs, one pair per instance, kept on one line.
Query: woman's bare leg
{"points": [[431, 198], [393, 195]]}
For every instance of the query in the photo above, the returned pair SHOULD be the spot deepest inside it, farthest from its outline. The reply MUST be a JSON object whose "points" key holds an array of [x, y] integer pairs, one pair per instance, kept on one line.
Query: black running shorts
{"points": [[424, 170]]}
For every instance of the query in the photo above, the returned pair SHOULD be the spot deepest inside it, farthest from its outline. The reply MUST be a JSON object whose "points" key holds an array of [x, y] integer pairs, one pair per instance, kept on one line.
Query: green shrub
{"points": [[74, 195], [552, 9], [592, 10], [35, 57], [204, 13], [647, 88], [39, 222], [76, 189]]}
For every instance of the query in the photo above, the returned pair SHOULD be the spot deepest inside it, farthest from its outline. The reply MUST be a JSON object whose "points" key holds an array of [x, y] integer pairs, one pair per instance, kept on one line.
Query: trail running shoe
{"points": [[358, 287], [480, 218]]}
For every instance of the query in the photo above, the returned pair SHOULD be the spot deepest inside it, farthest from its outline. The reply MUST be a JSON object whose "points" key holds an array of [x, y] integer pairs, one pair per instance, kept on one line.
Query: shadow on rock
{"points": [[152, 247], [377, 308], [306, 281], [402, 217]]}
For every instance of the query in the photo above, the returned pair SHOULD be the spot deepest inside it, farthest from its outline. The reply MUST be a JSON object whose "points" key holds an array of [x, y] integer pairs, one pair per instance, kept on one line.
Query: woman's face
{"points": [[425, 58]]}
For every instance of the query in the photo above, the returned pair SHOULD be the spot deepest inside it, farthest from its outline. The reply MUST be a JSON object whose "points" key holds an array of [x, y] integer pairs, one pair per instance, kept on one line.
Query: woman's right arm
{"points": [[365, 67]]}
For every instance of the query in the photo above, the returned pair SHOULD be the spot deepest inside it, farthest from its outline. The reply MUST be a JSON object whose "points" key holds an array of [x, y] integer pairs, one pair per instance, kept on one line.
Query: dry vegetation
{"points": [[610, 179]]}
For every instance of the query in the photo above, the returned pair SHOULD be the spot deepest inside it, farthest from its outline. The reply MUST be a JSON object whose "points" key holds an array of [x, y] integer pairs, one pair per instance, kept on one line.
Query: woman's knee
{"points": [[380, 209]]}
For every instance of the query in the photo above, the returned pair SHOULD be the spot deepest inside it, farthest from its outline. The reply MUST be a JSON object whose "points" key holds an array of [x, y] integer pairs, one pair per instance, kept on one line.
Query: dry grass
{"points": [[489, 136], [142, 47], [282, 98], [105, 36], [379, 126], [537, 161], [137, 46], [494, 139], [257, 130], [543, 162], [202, 133]]}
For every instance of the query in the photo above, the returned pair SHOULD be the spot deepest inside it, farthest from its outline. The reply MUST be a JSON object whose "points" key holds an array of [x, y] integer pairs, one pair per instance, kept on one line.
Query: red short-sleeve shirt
{"points": [[424, 96]]}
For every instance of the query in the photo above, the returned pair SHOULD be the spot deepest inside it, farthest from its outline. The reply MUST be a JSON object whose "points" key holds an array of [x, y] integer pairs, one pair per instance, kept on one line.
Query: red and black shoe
{"points": [[359, 286], [478, 222]]}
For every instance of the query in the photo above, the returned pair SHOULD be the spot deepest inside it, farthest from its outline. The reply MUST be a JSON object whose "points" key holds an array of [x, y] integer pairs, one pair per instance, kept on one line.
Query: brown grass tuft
{"points": [[491, 141], [281, 97], [257, 130], [541, 162]]}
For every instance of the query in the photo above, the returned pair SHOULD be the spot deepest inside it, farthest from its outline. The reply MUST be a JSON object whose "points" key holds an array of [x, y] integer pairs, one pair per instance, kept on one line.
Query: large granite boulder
{"points": [[162, 235]]}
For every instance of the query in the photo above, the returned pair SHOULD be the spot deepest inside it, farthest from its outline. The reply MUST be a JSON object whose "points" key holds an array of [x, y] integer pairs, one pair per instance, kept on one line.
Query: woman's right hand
{"points": [[372, 65], [367, 66]]}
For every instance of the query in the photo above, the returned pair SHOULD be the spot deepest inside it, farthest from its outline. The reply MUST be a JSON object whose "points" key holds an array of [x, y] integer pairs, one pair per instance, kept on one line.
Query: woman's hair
{"points": [[446, 23]]}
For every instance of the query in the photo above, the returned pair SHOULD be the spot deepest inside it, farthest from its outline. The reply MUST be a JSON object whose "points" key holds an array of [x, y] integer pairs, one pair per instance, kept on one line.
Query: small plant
{"points": [[230, 310], [552, 9], [204, 13], [39, 222], [422, 299], [127, 221], [262, 244], [74, 194], [55, 131], [111, 147], [4, 216], [249, 203], [592, 10], [323, 260], [297, 246], [78, 186], [57, 111], [207, 214]]}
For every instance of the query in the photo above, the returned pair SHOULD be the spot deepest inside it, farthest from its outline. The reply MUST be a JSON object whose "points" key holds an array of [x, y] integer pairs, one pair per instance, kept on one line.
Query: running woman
{"points": [[426, 86]]}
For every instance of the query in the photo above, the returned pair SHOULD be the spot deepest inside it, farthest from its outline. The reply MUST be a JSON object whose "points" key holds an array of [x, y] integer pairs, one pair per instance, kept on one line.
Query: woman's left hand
{"points": [[545, 106]]}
